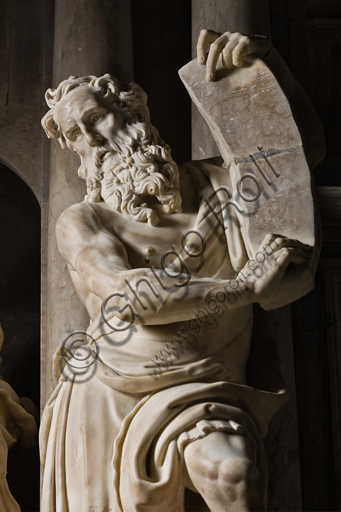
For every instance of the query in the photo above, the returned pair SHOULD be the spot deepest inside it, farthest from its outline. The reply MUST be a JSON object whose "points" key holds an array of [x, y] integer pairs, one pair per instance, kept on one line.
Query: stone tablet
{"points": [[253, 126]]}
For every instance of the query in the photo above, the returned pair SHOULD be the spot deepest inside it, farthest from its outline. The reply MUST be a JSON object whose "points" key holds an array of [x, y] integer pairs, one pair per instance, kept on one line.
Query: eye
{"points": [[76, 134], [96, 118]]}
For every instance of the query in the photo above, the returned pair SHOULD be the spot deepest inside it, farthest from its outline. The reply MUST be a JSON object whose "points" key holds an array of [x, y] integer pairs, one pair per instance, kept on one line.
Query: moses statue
{"points": [[169, 262]]}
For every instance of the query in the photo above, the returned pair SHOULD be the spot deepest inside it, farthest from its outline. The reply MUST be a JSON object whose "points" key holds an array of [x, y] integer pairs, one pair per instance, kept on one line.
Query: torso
{"points": [[145, 246]]}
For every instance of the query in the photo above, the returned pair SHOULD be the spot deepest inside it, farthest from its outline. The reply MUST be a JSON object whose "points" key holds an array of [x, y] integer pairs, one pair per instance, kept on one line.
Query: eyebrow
{"points": [[69, 128], [85, 114], [90, 109]]}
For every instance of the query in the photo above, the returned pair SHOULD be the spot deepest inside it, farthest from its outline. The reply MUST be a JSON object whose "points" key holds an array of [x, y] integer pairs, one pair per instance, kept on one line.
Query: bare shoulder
{"points": [[77, 213], [77, 226], [78, 218], [87, 227]]}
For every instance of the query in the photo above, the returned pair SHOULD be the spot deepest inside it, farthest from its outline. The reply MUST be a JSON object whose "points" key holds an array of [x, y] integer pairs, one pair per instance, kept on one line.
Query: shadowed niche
{"points": [[20, 318]]}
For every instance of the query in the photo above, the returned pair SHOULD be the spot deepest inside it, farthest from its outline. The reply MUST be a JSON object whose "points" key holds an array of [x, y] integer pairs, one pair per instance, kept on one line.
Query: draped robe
{"points": [[113, 435]]}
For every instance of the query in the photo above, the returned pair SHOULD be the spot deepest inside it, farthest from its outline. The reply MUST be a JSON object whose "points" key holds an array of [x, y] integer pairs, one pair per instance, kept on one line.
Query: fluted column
{"points": [[91, 38]]}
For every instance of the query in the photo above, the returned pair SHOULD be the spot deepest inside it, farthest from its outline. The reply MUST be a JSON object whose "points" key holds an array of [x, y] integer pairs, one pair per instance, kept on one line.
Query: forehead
{"points": [[72, 107]]}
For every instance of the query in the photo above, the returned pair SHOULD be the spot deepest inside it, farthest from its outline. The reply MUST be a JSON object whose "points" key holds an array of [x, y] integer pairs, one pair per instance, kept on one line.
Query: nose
{"points": [[92, 138]]}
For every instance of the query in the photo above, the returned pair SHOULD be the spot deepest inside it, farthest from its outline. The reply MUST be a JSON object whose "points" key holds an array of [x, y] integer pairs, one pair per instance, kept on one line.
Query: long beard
{"points": [[124, 174]]}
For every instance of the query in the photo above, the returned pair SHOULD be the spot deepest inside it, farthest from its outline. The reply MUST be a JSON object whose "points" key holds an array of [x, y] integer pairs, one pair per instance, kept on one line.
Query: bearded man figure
{"points": [[135, 433]]}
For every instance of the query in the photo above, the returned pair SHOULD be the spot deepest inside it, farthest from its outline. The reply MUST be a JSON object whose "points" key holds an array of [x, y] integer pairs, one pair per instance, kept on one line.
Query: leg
{"points": [[221, 468]]}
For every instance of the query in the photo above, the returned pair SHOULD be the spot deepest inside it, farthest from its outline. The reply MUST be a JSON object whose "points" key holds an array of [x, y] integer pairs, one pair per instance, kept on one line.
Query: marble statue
{"points": [[168, 262], [17, 423]]}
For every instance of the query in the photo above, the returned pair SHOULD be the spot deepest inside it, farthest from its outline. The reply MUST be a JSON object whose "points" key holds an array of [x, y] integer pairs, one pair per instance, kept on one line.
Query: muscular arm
{"points": [[101, 262]]}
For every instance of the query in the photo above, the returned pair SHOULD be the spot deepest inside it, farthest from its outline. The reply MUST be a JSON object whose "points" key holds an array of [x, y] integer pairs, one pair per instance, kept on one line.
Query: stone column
{"points": [[91, 38], [246, 16]]}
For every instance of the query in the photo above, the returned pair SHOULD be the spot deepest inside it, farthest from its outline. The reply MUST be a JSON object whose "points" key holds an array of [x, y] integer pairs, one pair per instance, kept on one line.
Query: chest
{"points": [[146, 246]]}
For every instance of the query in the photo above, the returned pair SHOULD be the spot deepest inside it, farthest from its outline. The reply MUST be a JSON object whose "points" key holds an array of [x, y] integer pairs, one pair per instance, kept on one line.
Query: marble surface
{"points": [[254, 128], [248, 17], [281, 443], [195, 417], [102, 42], [21, 144]]}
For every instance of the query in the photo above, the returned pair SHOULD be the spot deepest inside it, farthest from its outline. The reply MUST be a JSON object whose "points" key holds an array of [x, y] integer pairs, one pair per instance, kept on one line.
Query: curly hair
{"points": [[130, 100], [145, 167]]}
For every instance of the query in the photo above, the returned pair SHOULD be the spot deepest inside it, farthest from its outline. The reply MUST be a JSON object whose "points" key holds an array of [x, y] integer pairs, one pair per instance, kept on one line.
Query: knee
{"points": [[238, 471], [230, 471]]}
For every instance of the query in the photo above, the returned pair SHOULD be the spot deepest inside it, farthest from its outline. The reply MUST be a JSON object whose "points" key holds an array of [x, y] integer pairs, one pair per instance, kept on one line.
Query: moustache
{"points": [[101, 154]]}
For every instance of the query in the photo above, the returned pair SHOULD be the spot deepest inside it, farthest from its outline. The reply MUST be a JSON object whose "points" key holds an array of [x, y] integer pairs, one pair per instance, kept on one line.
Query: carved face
{"points": [[88, 121], [120, 158]]}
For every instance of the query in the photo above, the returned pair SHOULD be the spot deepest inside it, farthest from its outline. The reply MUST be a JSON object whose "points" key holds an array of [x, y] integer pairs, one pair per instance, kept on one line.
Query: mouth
{"points": [[102, 155]]}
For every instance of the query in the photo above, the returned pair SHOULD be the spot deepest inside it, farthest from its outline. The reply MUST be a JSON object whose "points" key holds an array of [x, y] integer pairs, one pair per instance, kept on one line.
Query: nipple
{"points": [[149, 251]]}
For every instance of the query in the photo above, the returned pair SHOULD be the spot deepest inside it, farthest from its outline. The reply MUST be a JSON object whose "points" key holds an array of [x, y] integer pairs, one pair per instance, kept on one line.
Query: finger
{"points": [[269, 238], [243, 48], [246, 46], [273, 242], [289, 255], [213, 55], [205, 37], [280, 242], [228, 50]]}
